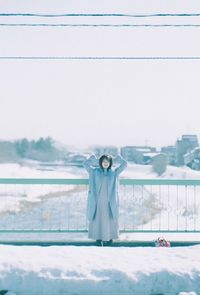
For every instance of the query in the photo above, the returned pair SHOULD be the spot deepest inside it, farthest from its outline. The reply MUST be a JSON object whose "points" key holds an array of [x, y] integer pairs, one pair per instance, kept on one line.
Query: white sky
{"points": [[100, 102]]}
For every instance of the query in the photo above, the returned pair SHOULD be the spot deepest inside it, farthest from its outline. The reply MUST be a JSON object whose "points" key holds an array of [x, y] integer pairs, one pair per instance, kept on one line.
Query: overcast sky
{"points": [[100, 101]]}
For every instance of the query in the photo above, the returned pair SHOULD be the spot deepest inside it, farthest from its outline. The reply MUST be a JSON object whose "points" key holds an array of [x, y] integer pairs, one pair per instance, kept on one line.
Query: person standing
{"points": [[103, 199]]}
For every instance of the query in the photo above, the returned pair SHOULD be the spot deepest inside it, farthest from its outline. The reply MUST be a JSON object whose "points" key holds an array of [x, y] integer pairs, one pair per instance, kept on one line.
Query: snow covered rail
{"points": [[58, 205]]}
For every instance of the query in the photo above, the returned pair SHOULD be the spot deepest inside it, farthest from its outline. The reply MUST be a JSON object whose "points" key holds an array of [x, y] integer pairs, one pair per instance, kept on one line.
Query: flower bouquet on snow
{"points": [[161, 242]]}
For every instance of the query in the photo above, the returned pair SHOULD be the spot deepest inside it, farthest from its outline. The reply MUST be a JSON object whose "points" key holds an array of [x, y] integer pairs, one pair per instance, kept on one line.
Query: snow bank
{"points": [[74, 270]]}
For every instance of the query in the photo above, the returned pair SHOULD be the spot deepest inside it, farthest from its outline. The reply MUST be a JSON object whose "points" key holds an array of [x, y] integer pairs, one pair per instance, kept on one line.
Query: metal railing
{"points": [[59, 205]]}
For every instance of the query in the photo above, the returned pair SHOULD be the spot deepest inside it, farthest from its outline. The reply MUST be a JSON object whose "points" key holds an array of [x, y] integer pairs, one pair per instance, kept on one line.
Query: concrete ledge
{"points": [[92, 243]]}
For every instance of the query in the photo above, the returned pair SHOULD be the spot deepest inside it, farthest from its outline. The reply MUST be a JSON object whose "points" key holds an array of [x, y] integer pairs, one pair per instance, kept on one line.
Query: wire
{"points": [[100, 57], [101, 15], [99, 25]]}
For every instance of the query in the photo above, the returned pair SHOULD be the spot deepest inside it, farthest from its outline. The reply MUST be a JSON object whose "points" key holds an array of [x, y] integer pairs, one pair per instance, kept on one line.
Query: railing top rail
{"points": [[78, 181], [84, 181], [160, 181]]}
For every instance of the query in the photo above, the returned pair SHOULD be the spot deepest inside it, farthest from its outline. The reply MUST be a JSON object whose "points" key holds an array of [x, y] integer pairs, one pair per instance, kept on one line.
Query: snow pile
{"points": [[71, 270]]}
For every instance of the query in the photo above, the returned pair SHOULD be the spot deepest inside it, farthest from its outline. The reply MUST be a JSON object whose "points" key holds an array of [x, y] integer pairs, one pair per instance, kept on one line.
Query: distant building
{"points": [[185, 145], [138, 154], [110, 150], [148, 158], [192, 138], [131, 154], [192, 158], [171, 152], [74, 159], [145, 149]]}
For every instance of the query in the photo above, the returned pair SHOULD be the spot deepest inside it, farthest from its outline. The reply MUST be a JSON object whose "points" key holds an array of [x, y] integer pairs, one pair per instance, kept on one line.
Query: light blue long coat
{"points": [[95, 180]]}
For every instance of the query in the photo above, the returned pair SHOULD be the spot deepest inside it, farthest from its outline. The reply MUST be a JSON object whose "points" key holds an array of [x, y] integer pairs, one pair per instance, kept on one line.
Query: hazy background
{"points": [[99, 101]]}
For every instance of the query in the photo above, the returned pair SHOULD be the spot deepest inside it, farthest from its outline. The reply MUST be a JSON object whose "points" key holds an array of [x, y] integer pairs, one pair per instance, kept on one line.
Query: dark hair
{"points": [[108, 158]]}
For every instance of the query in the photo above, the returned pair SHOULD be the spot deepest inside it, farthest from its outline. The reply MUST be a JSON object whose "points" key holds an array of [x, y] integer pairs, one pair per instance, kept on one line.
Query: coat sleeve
{"points": [[90, 163], [122, 164]]}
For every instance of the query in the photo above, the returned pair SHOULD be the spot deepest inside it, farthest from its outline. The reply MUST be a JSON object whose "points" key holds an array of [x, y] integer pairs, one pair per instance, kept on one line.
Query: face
{"points": [[105, 163]]}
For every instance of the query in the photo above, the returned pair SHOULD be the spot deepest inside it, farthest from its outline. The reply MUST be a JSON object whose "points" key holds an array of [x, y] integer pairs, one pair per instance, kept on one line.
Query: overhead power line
{"points": [[99, 57], [99, 25], [101, 15]]}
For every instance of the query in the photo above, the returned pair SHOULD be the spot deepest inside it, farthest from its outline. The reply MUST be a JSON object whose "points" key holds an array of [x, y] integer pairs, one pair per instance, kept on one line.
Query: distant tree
{"points": [[42, 149], [8, 152], [159, 163], [44, 144], [22, 147]]}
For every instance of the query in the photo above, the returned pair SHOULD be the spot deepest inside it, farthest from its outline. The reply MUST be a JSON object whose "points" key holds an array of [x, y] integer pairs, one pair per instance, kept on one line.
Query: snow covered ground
{"points": [[70, 270], [63, 270]]}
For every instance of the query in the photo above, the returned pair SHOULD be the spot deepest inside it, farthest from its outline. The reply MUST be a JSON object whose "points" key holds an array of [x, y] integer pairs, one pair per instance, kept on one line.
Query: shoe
{"points": [[99, 242], [107, 243], [110, 242]]}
